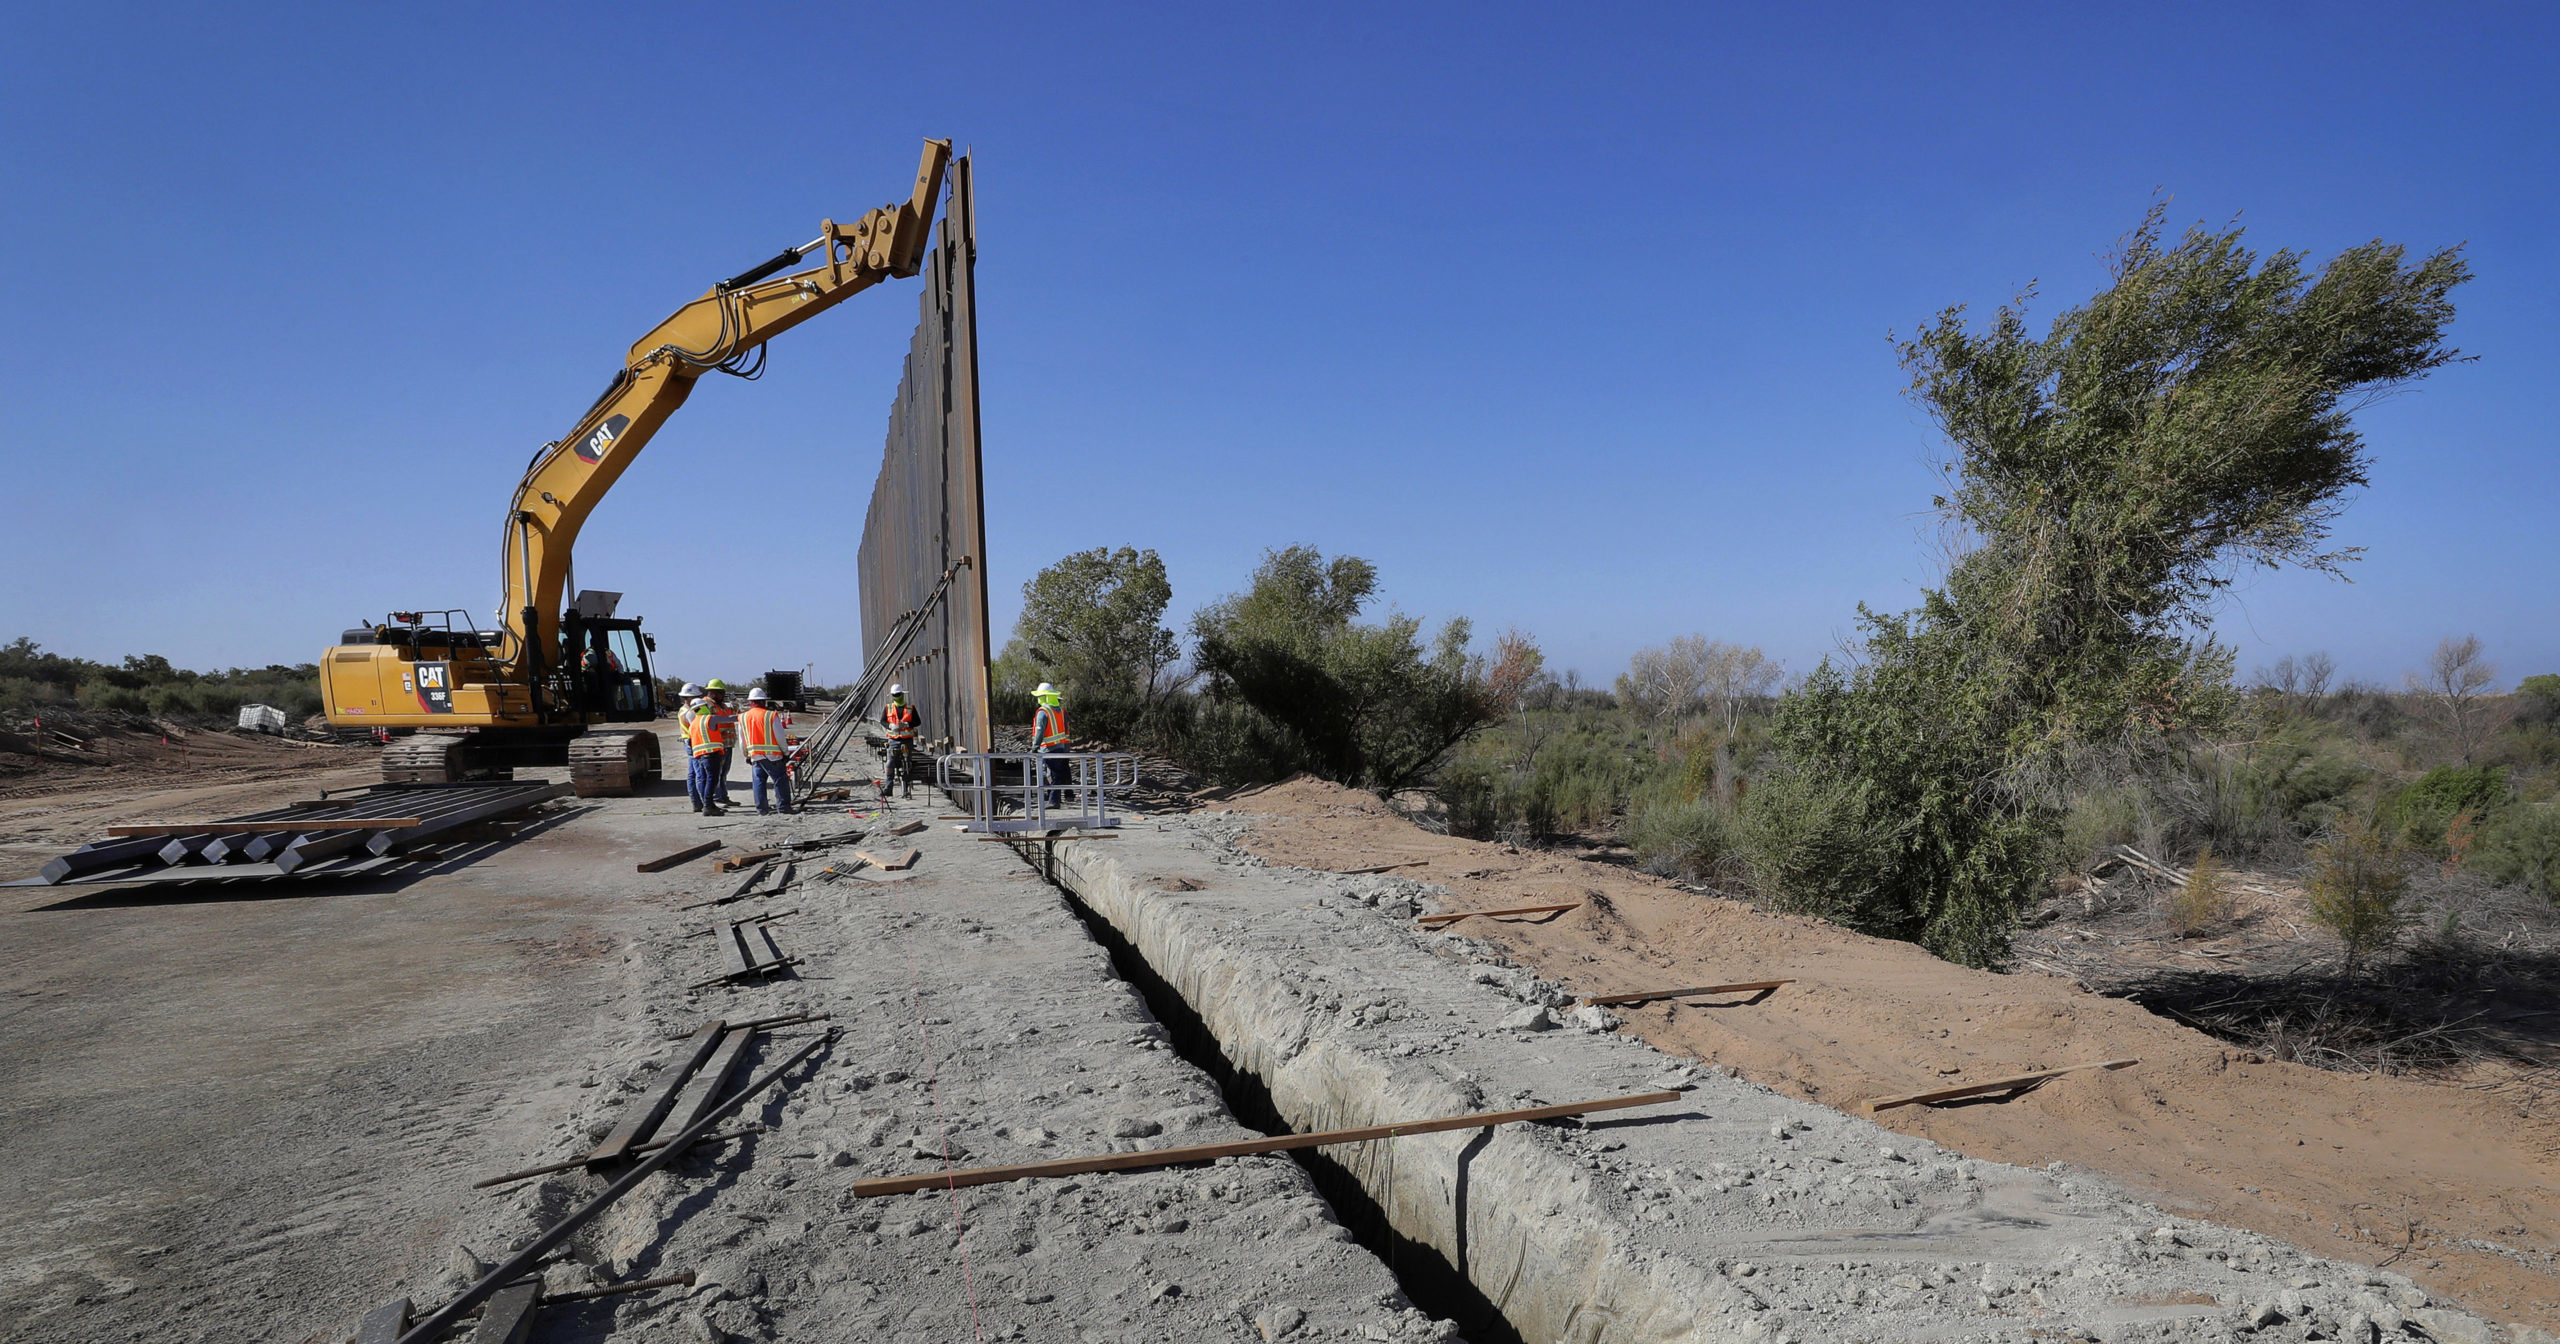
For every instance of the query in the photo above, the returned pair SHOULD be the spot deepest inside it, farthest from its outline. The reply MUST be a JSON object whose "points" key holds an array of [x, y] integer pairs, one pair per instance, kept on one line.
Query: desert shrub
{"points": [[2522, 848], [2300, 783], [106, 695], [175, 700], [1675, 833], [2357, 878], [26, 695], [2099, 819], [2205, 901], [2420, 815], [2538, 699]]}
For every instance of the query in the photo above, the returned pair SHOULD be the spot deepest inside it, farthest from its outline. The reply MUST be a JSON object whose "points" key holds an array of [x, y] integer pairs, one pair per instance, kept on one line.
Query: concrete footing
{"points": [[1739, 1215]]}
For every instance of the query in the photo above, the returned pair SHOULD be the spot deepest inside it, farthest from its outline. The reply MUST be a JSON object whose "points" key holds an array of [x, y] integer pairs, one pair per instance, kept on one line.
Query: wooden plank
{"points": [[2010, 1083], [1515, 910], [766, 953], [384, 1323], [263, 827], [712, 1079], [1384, 867], [735, 862], [685, 855], [640, 1122], [742, 960], [906, 860], [508, 1318], [908, 829], [1281, 1143], [1647, 996]]}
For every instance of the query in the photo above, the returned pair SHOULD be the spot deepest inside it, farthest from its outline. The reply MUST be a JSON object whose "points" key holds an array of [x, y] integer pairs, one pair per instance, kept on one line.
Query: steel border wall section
{"points": [[928, 508]]}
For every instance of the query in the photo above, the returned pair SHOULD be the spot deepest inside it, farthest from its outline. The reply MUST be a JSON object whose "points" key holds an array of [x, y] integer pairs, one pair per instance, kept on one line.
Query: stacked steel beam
{"points": [[355, 833]]}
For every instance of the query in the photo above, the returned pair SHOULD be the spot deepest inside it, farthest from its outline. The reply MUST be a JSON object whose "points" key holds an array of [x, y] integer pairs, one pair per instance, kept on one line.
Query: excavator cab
{"points": [[615, 682]]}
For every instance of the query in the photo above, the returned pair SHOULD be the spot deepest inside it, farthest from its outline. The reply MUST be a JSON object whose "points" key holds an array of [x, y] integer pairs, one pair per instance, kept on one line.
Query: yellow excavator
{"points": [[543, 687]]}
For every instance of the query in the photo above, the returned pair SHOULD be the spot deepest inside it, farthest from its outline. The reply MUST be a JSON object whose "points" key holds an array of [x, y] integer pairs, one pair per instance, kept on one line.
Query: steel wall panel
{"points": [[928, 515]]}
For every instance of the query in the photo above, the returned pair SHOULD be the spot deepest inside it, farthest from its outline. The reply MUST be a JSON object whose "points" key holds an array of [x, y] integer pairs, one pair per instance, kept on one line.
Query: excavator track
{"points": [[612, 764], [437, 758]]}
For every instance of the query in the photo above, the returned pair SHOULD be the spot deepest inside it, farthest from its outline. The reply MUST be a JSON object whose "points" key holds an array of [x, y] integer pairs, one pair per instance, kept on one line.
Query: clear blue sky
{"points": [[1571, 317]]}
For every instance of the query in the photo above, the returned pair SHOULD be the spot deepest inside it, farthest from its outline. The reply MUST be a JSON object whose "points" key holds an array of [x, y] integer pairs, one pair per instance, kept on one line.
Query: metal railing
{"points": [[1010, 792]]}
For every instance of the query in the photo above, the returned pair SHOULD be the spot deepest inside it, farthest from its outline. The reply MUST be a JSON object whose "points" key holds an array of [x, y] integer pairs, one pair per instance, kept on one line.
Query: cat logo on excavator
{"points": [[592, 447]]}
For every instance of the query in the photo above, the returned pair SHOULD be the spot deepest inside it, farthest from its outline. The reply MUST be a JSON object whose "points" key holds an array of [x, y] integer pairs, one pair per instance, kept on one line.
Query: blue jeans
{"points": [[720, 781], [780, 774], [1053, 770], [700, 787]]}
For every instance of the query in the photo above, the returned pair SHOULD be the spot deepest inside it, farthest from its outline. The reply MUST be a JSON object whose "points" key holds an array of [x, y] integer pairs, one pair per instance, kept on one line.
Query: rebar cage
{"points": [[1010, 793]]}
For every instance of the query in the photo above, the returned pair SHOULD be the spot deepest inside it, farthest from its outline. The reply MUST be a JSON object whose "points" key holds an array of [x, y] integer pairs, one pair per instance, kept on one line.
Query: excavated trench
{"points": [[1427, 1277]]}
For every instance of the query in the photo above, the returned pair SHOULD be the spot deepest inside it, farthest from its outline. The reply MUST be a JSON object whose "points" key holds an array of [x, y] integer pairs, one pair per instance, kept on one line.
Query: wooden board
{"points": [[735, 862], [265, 827], [640, 1122], [909, 829], [1647, 996], [508, 1318], [2010, 1083], [711, 1081], [1515, 910], [384, 1324], [1204, 1152], [904, 861], [685, 855], [742, 953]]}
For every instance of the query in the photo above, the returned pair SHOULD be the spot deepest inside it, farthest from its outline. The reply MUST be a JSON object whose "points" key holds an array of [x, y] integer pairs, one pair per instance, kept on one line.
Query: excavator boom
{"points": [[724, 329]]}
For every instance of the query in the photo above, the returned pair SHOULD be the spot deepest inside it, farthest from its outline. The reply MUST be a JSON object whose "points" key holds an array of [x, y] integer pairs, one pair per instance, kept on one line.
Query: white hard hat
{"points": [[690, 689], [896, 689], [755, 693], [1043, 688]]}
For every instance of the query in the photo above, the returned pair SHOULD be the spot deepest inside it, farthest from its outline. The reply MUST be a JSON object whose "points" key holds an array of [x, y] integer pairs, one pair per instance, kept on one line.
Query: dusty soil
{"points": [[254, 1112], [2455, 1183]]}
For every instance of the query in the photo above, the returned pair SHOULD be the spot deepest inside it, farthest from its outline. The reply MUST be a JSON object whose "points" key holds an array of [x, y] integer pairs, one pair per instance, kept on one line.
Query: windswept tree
{"points": [[2192, 419], [1316, 689], [2456, 677]]}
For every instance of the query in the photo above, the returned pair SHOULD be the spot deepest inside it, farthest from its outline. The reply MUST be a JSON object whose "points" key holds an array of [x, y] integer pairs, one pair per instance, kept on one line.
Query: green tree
{"points": [[1366, 705], [2192, 419], [1092, 622]]}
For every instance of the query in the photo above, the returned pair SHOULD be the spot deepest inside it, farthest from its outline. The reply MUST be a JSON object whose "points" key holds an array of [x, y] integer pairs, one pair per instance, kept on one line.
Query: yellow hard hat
{"points": [[715, 684]]}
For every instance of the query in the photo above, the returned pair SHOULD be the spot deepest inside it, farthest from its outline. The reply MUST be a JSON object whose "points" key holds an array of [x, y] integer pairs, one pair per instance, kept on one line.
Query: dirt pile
{"points": [[2452, 1183]]}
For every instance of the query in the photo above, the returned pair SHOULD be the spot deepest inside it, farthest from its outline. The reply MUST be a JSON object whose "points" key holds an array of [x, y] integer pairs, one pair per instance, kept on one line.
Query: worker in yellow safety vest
{"points": [[901, 721], [702, 742], [764, 731], [1049, 734]]}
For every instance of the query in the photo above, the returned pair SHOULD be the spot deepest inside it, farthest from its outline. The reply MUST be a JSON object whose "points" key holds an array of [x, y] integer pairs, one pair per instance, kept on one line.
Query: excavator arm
{"points": [[725, 329]]}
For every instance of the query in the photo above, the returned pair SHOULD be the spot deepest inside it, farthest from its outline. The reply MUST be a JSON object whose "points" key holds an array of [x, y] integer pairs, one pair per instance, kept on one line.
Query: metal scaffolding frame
{"points": [[924, 540]]}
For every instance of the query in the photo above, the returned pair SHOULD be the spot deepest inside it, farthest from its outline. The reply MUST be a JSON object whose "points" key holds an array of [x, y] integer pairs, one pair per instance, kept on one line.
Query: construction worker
{"points": [[765, 733], [1049, 734], [724, 721], [702, 745], [691, 695], [901, 721]]}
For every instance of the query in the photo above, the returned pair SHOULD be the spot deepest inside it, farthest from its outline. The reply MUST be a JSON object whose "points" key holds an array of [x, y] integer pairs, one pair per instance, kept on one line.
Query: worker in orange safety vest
{"points": [[901, 722], [765, 733], [724, 723]]}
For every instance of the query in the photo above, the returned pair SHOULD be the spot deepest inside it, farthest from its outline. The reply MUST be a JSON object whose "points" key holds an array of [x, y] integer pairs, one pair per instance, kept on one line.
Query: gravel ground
{"points": [[254, 1114]]}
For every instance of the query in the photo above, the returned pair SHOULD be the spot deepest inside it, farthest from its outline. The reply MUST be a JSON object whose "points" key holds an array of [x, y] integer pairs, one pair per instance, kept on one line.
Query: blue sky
{"points": [[1572, 318]]}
